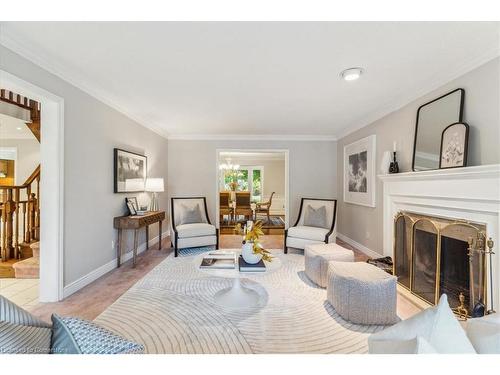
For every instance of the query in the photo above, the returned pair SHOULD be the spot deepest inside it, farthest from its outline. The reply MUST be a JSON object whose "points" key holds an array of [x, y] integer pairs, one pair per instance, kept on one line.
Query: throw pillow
{"points": [[484, 333], [77, 336], [315, 217], [10, 312], [437, 325], [191, 215], [20, 339]]}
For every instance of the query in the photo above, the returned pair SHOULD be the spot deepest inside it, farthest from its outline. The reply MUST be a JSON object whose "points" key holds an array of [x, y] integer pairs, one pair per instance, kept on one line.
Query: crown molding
{"points": [[252, 137], [23, 49], [432, 84]]}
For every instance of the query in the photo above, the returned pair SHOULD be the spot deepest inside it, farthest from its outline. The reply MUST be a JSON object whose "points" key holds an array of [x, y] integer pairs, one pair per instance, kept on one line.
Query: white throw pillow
{"points": [[484, 333], [437, 325]]}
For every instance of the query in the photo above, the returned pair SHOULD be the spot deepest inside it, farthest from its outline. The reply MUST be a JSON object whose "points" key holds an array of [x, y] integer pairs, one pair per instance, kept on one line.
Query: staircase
{"points": [[29, 268], [20, 208]]}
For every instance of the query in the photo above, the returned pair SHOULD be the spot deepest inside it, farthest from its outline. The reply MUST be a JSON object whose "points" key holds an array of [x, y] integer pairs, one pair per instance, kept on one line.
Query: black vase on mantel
{"points": [[394, 167]]}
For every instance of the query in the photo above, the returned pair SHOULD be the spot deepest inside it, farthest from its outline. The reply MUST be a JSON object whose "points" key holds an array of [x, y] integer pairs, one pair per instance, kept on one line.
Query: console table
{"points": [[135, 223]]}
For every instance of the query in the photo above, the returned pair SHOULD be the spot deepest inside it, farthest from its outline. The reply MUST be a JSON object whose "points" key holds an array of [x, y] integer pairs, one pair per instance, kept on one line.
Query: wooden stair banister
{"points": [[34, 176], [25, 103], [14, 212]]}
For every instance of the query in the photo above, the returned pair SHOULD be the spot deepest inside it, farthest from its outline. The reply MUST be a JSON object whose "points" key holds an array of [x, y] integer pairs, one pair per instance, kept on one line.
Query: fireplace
{"points": [[435, 255]]}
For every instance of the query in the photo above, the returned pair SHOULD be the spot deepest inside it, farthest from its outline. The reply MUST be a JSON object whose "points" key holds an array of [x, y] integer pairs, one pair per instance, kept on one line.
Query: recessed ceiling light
{"points": [[351, 74], [19, 128]]}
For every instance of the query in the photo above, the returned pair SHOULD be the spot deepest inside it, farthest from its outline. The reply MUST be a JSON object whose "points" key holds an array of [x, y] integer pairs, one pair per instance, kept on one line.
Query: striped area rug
{"points": [[171, 310]]}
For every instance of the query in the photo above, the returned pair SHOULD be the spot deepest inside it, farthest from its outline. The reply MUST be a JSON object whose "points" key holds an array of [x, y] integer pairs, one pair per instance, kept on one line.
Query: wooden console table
{"points": [[135, 223]]}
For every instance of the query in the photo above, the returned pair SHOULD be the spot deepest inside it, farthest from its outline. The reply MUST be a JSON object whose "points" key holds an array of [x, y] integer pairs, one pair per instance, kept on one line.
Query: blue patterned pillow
{"points": [[11, 313], [77, 336]]}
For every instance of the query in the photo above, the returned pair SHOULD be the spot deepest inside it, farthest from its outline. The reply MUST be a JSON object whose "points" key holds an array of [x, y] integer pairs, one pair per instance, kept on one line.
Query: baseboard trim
{"points": [[105, 268], [371, 253]]}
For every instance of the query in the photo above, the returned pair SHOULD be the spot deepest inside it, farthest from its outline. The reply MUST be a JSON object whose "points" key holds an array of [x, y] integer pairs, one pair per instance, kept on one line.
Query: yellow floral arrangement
{"points": [[253, 236]]}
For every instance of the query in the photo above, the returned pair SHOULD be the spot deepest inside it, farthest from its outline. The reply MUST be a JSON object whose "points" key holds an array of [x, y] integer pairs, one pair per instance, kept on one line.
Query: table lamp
{"points": [[155, 186]]}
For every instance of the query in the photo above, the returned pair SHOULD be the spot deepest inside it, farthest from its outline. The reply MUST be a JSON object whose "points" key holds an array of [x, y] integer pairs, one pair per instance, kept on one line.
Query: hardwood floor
{"points": [[92, 300]]}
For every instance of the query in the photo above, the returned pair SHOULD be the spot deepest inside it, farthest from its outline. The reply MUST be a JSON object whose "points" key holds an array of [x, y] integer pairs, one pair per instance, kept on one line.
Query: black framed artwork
{"points": [[454, 144], [129, 171], [130, 205]]}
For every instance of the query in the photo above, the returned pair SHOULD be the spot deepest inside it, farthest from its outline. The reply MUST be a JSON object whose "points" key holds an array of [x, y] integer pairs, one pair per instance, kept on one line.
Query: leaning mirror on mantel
{"points": [[432, 118]]}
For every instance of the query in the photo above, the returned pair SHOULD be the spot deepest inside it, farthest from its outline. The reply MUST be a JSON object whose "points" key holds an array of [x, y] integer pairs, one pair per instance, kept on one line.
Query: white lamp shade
{"points": [[134, 184], [154, 185]]}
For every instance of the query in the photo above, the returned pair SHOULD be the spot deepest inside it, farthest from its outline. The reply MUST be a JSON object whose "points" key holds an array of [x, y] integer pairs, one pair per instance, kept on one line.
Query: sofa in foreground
{"points": [[23, 333]]}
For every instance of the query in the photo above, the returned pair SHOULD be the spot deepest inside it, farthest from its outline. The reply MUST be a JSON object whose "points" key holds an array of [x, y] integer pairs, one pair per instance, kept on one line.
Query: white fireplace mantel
{"points": [[471, 193]]}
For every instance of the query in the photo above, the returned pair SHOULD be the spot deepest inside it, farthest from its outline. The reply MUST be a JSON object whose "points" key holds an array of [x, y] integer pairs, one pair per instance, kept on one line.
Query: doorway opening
{"points": [[252, 185], [20, 134], [47, 223]]}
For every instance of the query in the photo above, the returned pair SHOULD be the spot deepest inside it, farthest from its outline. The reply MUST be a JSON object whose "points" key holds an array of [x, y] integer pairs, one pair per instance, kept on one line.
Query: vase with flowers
{"points": [[252, 251]]}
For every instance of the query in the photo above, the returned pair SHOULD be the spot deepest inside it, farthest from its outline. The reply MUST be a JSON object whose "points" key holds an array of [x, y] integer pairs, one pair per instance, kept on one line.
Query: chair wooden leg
{"points": [[284, 245], [176, 245]]}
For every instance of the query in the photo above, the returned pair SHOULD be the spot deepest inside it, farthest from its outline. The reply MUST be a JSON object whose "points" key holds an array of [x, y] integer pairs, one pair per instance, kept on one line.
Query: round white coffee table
{"points": [[237, 295]]}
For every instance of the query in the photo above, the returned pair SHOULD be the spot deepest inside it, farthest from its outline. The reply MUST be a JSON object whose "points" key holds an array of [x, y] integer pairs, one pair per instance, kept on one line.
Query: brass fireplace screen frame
{"points": [[440, 224]]}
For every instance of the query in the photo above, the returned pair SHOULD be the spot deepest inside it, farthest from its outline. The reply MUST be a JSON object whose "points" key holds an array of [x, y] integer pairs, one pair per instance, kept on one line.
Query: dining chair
{"points": [[264, 207], [243, 206], [224, 207]]}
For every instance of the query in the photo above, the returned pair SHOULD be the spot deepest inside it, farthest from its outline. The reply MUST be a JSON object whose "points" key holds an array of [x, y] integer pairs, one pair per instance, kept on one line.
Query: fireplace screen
{"points": [[432, 257], [425, 245]]}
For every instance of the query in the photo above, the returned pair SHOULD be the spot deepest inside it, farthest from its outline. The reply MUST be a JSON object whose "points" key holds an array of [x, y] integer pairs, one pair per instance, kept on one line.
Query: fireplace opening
{"points": [[455, 270], [425, 265], [432, 256]]}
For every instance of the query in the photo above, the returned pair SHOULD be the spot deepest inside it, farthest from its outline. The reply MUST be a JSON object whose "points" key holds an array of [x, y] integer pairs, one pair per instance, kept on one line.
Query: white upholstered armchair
{"points": [[191, 225], [315, 224]]}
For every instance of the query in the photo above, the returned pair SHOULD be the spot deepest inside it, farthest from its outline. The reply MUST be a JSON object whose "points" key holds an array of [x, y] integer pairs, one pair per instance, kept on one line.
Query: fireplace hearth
{"points": [[435, 255]]}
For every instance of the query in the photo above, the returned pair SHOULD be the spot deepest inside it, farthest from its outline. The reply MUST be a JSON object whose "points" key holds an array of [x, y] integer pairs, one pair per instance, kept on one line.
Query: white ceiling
{"points": [[13, 128], [274, 79]]}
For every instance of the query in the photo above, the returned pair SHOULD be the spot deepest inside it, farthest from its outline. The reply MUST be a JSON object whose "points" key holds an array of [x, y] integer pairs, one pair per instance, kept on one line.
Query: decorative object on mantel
{"points": [[155, 186], [454, 144], [432, 119], [385, 163], [394, 166], [129, 166], [359, 172]]}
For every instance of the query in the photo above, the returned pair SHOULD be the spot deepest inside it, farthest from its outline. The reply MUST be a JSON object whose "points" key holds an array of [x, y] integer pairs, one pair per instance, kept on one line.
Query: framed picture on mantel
{"points": [[359, 172], [129, 171]]}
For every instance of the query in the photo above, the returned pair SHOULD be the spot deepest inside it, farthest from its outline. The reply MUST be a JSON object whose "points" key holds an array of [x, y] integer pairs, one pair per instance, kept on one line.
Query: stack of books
{"points": [[219, 260], [247, 267]]}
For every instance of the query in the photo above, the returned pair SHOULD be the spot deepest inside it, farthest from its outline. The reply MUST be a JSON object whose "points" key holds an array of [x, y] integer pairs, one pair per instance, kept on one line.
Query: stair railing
{"points": [[20, 216]]}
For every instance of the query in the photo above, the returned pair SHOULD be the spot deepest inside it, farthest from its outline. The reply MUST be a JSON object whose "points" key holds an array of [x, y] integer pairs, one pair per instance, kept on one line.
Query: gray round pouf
{"points": [[362, 293], [317, 257]]}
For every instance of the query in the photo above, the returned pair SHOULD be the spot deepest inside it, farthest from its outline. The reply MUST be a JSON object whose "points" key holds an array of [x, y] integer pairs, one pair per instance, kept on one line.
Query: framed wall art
{"points": [[129, 171], [454, 143], [359, 172]]}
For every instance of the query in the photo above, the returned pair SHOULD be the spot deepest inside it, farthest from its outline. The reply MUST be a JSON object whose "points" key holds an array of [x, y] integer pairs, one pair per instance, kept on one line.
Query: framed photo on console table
{"points": [[359, 172], [129, 171]]}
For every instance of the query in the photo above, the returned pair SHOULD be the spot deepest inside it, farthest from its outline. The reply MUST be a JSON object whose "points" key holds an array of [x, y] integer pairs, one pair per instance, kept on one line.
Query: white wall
{"points": [[92, 130], [481, 111], [192, 168]]}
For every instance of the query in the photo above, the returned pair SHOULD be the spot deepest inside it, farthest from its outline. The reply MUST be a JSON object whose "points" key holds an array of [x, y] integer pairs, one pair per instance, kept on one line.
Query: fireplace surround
{"points": [[470, 193], [435, 255]]}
